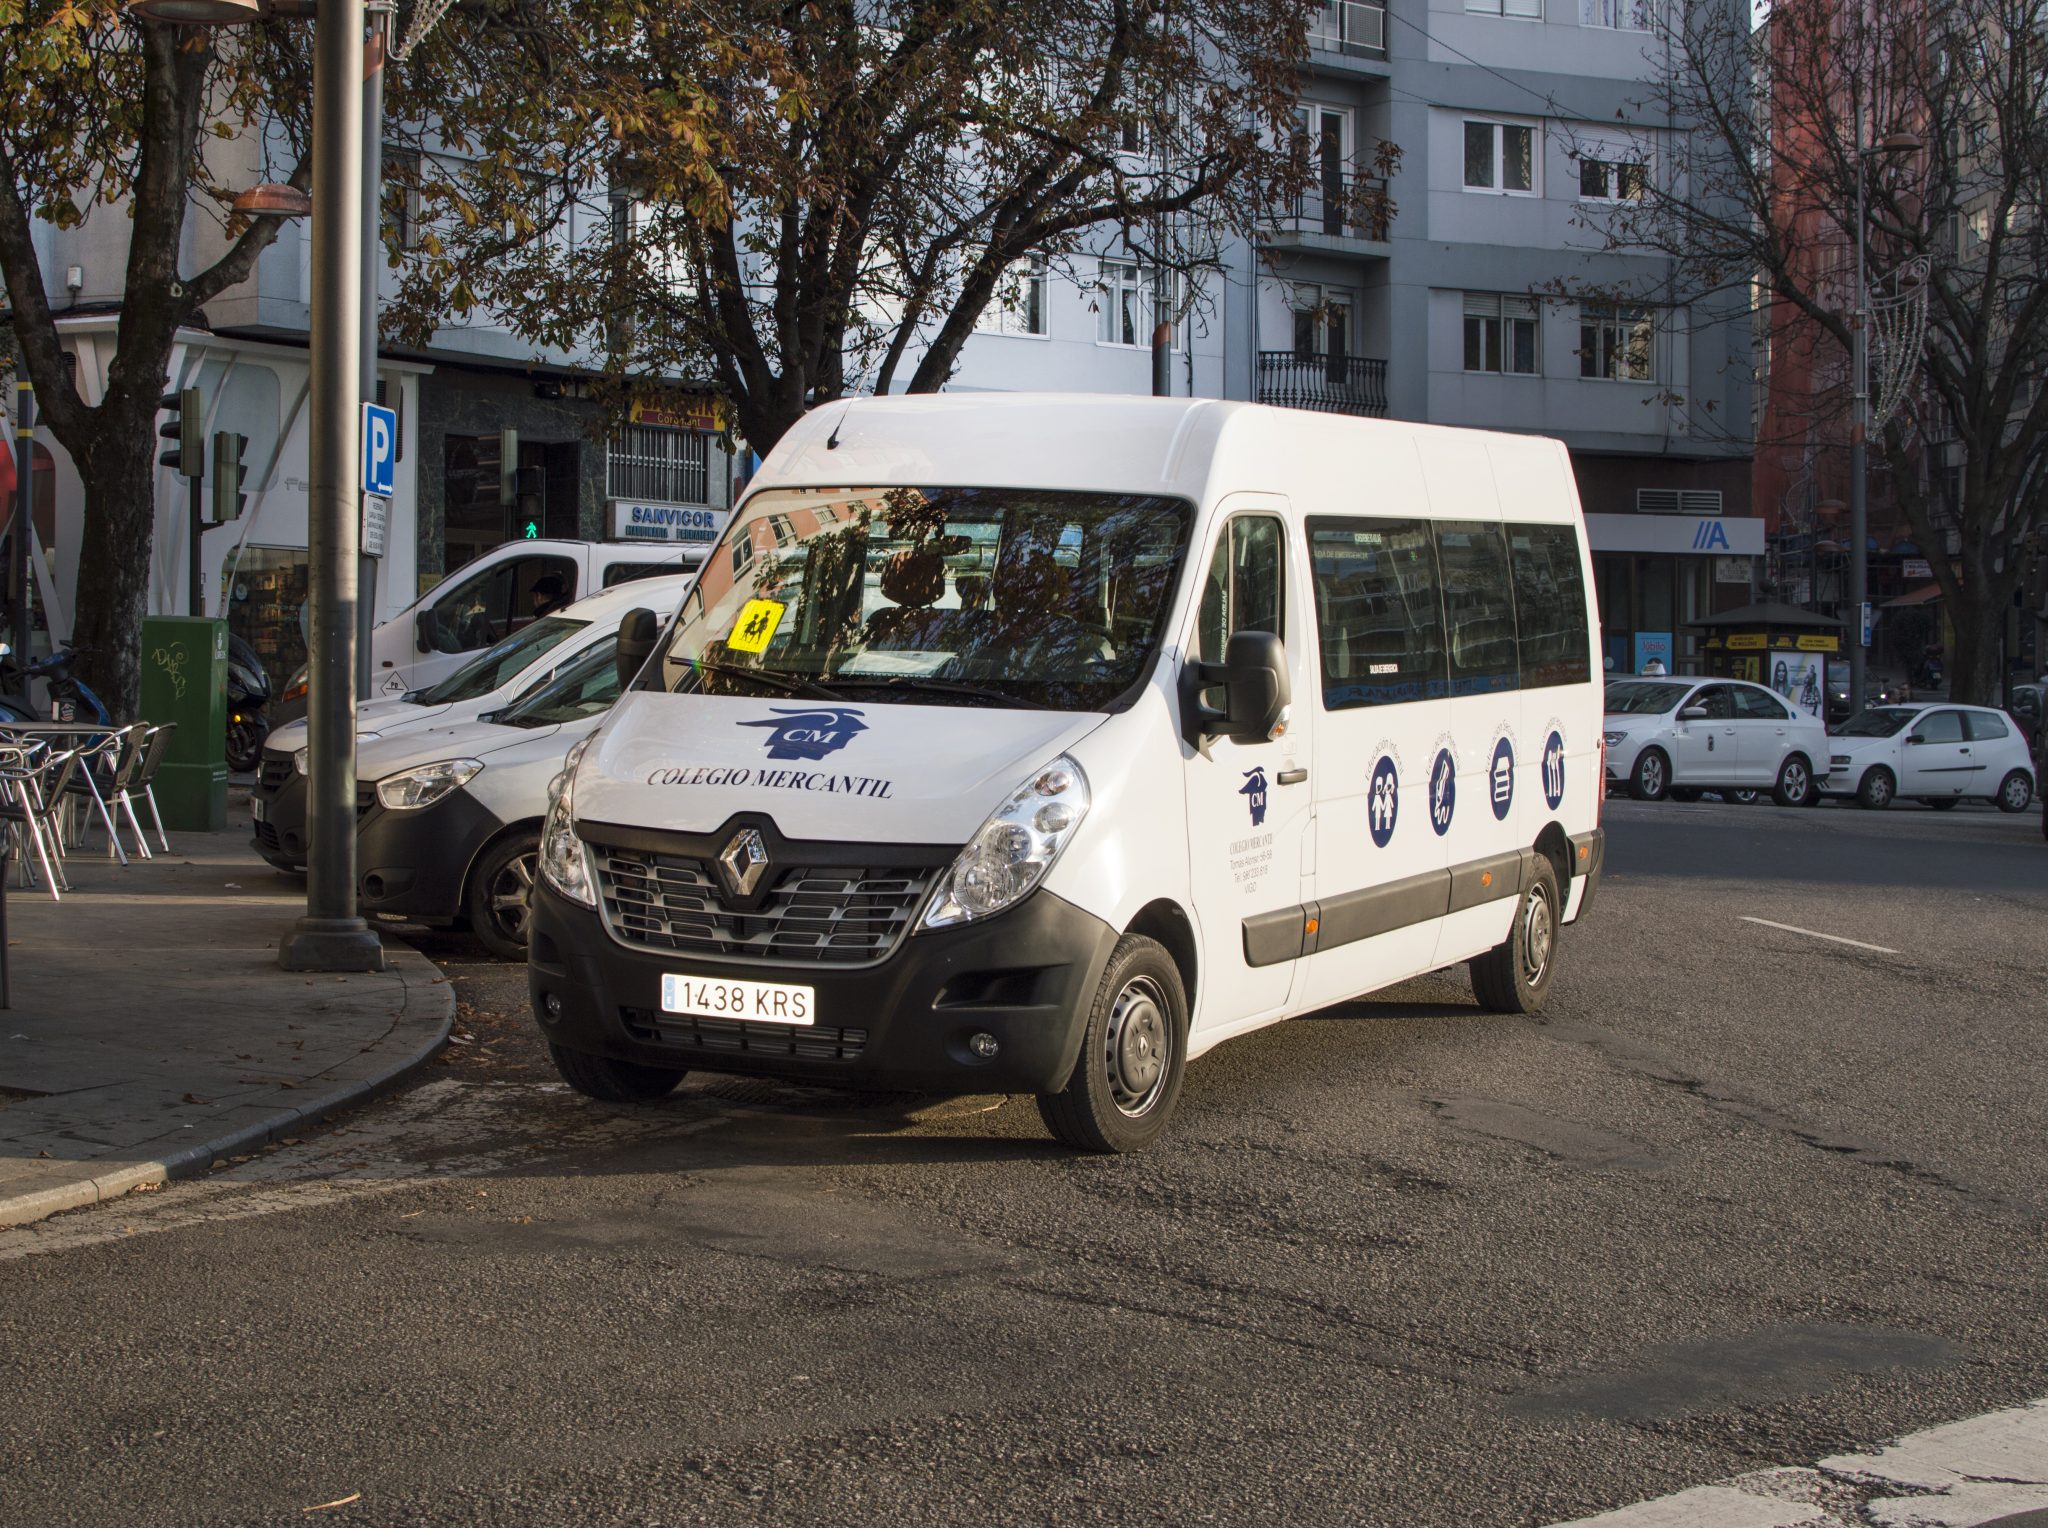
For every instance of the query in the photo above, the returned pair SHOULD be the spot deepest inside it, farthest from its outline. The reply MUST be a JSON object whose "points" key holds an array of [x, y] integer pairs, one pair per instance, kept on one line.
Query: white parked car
{"points": [[1939, 754], [1674, 736]]}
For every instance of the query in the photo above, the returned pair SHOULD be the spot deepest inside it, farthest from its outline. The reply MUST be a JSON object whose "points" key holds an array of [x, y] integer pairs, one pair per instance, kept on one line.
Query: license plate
{"points": [[255, 808], [757, 1002]]}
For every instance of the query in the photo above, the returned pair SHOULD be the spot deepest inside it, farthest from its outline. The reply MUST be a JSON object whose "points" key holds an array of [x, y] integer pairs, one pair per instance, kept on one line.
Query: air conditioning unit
{"points": [[1678, 501]]}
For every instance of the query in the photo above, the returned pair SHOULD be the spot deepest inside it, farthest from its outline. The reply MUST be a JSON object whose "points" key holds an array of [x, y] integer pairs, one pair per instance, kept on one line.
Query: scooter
{"points": [[248, 693], [71, 698]]}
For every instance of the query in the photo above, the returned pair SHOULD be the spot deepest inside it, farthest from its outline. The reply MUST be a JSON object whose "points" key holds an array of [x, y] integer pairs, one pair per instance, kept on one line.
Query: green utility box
{"points": [[185, 680]]}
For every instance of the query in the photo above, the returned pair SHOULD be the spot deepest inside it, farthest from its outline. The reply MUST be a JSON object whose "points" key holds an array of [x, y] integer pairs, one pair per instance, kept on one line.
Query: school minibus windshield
{"points": [[938, 596]]}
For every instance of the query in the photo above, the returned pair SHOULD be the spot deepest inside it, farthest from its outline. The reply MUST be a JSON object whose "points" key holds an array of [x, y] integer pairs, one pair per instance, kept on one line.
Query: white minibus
{"points": [[1041, 744]]}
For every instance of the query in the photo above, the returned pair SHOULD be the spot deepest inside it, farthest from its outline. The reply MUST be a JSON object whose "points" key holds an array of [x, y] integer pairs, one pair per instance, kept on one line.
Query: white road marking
{"points": [[1968, 1474], [1792, 928]]}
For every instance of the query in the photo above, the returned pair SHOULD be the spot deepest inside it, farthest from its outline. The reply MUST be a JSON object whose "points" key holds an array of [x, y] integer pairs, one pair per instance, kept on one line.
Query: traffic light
{"points": [[228, 472], [185, 427]]}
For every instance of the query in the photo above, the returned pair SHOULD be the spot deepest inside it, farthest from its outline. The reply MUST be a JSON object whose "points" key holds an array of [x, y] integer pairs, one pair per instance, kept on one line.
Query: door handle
{"points": [[1292, 776]]}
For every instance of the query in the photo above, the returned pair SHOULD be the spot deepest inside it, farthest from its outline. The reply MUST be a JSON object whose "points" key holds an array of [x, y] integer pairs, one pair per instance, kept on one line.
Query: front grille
{"points": [[266, 835], [273, 772], [817, 915], [735, 1037]]}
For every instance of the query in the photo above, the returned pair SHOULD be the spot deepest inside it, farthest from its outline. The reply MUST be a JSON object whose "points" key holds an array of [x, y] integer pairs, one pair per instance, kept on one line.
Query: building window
{"points": [[658, 464], [1610, 180], [1130, 299], [403, 205], [1322, 320], [1500, 156], [1617, 15], [1529, 10], [1616, 341], [1500, 333], [1018, 306]]}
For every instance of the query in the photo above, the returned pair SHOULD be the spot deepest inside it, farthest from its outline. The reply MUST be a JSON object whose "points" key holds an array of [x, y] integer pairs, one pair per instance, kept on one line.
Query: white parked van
{"points": [[1040, 744]]}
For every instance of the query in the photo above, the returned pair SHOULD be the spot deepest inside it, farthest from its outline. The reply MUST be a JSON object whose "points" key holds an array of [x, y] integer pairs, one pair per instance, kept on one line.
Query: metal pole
{"points": [[373, 249], [195, 586], [1859, 430], [331, 937], [1162, 359], [24, 502]]}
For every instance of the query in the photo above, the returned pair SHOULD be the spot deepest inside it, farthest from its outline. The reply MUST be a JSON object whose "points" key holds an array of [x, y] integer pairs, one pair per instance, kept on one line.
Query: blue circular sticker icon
{"points": [[1500, 778], [1383, 801], [1553, 770], [1443, 791]]}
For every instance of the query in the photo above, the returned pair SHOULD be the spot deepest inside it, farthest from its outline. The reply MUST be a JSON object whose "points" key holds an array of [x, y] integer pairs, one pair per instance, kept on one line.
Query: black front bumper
{"points": [[409, 864], [1026, 977]]}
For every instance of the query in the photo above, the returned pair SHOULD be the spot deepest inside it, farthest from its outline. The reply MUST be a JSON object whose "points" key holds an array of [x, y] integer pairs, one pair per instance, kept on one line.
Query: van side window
{"points": [[626, 572], [1245, 589], [490, 605], [1479, 607], [1550, 605], [1379, 611]]}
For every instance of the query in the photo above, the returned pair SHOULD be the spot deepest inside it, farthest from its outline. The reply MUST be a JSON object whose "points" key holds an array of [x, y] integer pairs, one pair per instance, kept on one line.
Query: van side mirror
{"points": [[1256, 694], [424, 625], [1694, 714], [638, 633]]}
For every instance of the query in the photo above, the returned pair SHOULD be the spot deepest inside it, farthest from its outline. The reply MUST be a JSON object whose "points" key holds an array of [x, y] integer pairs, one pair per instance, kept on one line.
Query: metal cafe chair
{"points": [[35, 778], [153, 744], [104, 756]]}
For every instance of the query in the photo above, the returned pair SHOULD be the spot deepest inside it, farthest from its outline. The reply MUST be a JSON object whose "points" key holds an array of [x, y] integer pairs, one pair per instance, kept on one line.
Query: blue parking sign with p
{"points": [[380, 450]]}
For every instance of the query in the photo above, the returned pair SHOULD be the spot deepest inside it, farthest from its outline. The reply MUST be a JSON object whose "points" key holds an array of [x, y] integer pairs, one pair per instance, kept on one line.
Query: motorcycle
{"points": [[1929, 676], [71, 698], [248, 693]]}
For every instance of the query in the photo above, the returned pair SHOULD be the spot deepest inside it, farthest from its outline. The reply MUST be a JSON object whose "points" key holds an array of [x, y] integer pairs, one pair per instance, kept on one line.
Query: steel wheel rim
{"points": [[1539, 933], [1653, 775], [511, 896], [1137, 1049], [2017, 793], [1880, 789]]}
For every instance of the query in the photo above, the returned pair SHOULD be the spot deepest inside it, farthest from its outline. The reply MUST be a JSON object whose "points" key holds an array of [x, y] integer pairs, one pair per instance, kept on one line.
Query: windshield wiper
{"points": [[945, 687], [789, 684]]}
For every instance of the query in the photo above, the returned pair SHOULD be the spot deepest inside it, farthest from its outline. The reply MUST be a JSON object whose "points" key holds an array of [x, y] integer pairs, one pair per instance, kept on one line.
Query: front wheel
{"points": [[1127, 1078], [1740, 798], [1876, 789], [500, 897], [614, 1082], [1795, 781], [245, 744], [2015, 792], [1514, 977], [1686, 794], [1651, 777]]}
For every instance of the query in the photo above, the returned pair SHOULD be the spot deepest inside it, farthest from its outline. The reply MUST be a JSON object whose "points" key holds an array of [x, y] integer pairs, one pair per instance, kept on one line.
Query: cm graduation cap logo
{"points": [[810, 733]]}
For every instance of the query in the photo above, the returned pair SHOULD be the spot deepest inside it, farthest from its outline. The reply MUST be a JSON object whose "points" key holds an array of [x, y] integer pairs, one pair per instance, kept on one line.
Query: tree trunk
{"points": [[118, 470], [1972, 663]]}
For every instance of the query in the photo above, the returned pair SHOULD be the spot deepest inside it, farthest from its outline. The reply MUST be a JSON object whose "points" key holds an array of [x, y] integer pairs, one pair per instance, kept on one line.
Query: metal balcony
{"points": [[1350, 29], [1341, 213], [1329, 384]]}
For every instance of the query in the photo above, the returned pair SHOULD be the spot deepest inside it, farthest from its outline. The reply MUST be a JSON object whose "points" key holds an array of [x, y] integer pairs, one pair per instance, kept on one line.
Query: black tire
{"points": [[1941, 803], [1795, 785], [614, 1082], [2015, 792], [499, 897], [1741, 797], [1650, 780], [1126, 1081], [1514, 977], [1876, 789], [1685, 793], [245, 745]]}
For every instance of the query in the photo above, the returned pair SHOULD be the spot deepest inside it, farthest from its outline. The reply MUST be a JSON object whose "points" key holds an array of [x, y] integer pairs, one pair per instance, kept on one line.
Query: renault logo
{"points": [[742, 863]]}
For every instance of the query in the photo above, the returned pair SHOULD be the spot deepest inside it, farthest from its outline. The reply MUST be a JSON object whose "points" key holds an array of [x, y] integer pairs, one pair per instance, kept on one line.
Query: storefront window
{"points": [[267, 590]]}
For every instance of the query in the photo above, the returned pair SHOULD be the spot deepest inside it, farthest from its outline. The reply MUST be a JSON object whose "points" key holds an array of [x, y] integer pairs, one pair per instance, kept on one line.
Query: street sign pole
{"points": [[332, 936], [373, 250]]}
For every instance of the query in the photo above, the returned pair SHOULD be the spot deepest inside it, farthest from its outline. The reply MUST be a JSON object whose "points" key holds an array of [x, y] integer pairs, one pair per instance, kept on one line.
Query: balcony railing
{"points": [[1340, 205], [1331, 384], [1351, 28]]}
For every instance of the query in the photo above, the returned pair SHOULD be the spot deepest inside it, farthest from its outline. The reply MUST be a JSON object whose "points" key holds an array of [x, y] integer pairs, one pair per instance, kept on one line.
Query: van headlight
{"points": [[411, 789], [299, 758], [1013, 850], [564, 858]]}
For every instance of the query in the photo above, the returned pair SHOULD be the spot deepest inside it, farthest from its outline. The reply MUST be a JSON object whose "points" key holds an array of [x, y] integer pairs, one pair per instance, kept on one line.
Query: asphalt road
{"points": [[1742, 1197]]}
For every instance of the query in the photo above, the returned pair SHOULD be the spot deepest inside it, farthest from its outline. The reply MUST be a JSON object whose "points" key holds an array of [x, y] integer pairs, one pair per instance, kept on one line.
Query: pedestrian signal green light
{"points": [[532, 530]]}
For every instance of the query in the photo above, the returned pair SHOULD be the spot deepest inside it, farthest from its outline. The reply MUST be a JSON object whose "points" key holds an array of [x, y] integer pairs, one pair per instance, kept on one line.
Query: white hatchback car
{"points": [[1939, 754], [1675, 736]]}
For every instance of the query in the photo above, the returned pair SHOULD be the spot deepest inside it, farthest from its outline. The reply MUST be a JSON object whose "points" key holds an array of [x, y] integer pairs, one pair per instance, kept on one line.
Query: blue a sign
{"points": [[380, 450]]}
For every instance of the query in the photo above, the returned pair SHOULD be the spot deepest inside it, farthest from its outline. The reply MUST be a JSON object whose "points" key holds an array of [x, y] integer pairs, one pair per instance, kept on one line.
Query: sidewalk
{"points": [[152, 1031]]}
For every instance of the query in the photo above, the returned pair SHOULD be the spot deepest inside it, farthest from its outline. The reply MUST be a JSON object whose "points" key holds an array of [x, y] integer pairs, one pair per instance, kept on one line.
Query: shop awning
{"points": [[1768, 614], [1926, 594]]}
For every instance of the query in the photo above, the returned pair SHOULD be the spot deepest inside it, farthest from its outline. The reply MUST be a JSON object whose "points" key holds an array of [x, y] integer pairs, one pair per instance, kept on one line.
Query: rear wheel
{"points": [[1651, 777], [614, 1082], [2015, 792], [1741, 797], [1795, 781], [1685, 793], [1514, 977], [500, 896], [1127, 1078], [1876, 788]]}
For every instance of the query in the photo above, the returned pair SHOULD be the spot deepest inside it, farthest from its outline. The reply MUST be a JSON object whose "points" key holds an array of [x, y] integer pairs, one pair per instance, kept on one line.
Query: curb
{"points": [[428, 1006]]}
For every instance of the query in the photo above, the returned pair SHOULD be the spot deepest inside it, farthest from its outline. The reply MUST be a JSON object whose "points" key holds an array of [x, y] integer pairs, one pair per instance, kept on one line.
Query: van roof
{"points": [[1118, 443]]}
